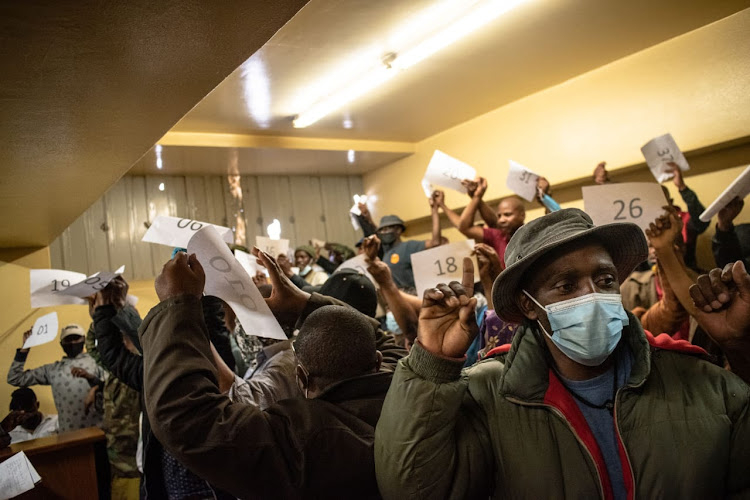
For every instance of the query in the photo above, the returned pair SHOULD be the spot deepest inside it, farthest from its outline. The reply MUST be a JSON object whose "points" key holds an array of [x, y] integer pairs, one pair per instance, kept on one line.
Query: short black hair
{"points": [[23, 399], [336, 343]]}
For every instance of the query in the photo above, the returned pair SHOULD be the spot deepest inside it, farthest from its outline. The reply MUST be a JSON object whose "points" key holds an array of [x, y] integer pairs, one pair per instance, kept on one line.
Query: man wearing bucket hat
{"points": [[397, 253], [584, 403]]}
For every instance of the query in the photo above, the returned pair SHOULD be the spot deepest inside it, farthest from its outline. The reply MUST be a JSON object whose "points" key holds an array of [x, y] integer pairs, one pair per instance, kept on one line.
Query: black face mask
{"points": [[74, 349], [388, 238]]}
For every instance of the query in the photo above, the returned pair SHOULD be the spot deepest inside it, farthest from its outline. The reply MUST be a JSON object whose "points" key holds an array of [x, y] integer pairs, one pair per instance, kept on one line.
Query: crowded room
{"points": [[345, 249]]}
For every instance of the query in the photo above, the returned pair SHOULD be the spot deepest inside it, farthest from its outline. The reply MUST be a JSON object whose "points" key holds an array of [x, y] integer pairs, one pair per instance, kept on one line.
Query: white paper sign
{"points": [[427, 188], [521, 181], [359, 264], [273, 247], [637, 202], [441, 264], [46, 283], [92, 284], [447, 172], [17, 476], [660, 151], [248, 261], [228, 280], [317, 243], [43, 331], [176, 232], [739, 188]]}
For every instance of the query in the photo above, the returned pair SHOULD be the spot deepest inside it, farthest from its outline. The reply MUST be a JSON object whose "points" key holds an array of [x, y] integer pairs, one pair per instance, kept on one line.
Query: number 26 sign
{"points": [[637, 202]]}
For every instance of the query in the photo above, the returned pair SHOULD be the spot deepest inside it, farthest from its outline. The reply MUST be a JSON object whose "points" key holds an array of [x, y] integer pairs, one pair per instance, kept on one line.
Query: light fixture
{"points": [[274, 230], [161, 186], [157, 150], [455, 26], [350, 155]]}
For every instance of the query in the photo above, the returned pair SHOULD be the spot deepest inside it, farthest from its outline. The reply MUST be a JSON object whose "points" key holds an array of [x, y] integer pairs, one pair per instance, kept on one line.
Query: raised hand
{"points": [[26, 336], [677, 173], [447, 320], [601, 176], [662, 232], [470, 186], [723, 300], [438, 198], [285, 265], [115, 293], [729, 212], [380, 271], [370, 247], [488, 261], [286, 301], [182, 275]]}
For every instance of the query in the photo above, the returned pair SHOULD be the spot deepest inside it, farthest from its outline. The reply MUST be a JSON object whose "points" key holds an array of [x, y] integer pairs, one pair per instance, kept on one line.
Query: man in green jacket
{"points": [[584, 404]]}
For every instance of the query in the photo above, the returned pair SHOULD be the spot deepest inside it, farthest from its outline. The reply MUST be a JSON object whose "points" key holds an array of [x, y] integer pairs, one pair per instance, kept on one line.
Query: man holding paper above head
{"points": [[316, 446], [68, 390], [397, 252], [584, 403], [500, 225]]}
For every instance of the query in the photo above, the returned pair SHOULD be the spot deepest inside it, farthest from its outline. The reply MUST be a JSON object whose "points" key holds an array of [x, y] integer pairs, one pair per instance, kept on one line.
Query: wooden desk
{"points": [[71, 464]]}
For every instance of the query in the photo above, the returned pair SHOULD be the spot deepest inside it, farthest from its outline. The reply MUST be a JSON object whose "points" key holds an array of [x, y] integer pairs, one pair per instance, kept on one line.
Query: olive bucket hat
{"points": [[625, 243]]}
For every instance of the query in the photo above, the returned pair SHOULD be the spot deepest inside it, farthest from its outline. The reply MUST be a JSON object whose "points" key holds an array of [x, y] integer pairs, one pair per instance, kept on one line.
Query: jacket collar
{"points": [[527, 370], [358, 387]]}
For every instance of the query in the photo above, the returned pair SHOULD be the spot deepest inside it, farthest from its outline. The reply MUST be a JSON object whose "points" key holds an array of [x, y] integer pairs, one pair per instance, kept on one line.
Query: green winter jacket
{"points": [[507, 428]]}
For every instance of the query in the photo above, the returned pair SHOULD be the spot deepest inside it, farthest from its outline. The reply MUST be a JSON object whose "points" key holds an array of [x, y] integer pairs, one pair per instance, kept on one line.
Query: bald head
{"points": [[511, 214]]}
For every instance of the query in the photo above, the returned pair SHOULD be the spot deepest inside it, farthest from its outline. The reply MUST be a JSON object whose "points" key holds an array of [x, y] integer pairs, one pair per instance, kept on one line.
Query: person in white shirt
{"points": [[25, 421]]}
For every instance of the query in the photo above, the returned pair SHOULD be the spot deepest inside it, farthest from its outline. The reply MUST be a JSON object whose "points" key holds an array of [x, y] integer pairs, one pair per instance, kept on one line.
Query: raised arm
{"points": [[19, 377], [466, 221], [435, 215], [430, 440]]}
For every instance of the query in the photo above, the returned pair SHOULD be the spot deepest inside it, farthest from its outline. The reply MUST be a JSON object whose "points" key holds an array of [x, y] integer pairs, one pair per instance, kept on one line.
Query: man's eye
{"points": [[607, 281], [565, 287]]}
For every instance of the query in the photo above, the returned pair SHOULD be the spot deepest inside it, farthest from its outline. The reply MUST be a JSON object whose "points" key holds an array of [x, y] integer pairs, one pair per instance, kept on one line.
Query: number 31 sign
{"points": [[637, 202]]}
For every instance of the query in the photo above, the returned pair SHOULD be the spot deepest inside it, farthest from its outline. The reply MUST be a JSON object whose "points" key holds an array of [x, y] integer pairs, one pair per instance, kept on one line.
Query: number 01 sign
{"points": [[637, 202]]}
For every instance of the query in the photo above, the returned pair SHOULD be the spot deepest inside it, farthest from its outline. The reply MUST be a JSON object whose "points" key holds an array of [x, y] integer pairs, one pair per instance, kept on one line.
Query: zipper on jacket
{"points": [[572, 430]]}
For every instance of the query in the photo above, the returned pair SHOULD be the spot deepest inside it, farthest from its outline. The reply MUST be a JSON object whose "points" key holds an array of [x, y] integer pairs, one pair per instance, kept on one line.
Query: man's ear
{"points": [[527, 307]]}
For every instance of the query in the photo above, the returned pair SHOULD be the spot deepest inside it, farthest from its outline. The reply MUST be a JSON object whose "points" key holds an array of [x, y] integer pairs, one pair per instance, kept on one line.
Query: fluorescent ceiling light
{"points": [[481, 14]]}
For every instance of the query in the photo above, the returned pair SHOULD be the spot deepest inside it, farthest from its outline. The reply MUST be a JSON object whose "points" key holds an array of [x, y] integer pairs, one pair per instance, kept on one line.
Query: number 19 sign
{"points": [[441, 264], [637, 202]]}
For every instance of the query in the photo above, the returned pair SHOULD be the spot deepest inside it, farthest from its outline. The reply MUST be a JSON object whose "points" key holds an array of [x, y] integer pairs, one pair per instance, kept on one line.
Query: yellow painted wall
{"points": [[17, 316], [694, 86]]}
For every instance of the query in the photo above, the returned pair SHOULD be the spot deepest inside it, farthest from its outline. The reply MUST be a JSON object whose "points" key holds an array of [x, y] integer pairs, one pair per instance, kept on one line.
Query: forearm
{"points": [[436, 235], [403, 313], [452, 216], [487, 285], [679, 280], [19, 377], [726, 246], [695, 209], [488, 215], [123, 364], [367, 225], [468, 215]]}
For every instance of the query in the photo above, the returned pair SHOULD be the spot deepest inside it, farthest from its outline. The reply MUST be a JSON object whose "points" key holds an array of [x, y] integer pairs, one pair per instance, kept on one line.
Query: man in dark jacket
{"points": [[584, 403], [319, 445]]}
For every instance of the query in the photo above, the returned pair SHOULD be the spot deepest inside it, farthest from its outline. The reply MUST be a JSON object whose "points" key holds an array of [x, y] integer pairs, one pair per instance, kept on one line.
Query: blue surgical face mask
{"points": [[588, 328]]}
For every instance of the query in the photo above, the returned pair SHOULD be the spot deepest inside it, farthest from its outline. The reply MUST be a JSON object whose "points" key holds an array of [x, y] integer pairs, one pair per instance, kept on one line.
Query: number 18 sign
{"points": [[637, 202], [441, 264]]}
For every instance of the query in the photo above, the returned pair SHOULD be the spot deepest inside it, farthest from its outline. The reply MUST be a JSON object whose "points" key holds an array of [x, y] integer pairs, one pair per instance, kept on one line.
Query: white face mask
{"points": [[586, 329]]}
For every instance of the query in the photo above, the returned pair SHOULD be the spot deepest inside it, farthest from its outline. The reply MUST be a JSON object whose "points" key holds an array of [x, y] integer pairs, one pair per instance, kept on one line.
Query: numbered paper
{"points": [[176, 232], [739, 188], [228, 280], [360, 265], [92, 284], [522, 181], [441, 264], [447, 172], [660, 151], [248, 261], [17, 476], [45, 283], [44, 330], [637, 202], [273, 247]]}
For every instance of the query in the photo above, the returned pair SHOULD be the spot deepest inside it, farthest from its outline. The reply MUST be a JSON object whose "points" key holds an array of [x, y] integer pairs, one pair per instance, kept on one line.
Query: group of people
{"points": [[576, 361]]}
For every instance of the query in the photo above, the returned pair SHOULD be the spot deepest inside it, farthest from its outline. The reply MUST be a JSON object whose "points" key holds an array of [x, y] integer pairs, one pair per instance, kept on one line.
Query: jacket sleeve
{"points": [[726, 247], [384, 342], [19, 377], [236, 447], [695, 209], [430, 441], [328, 266], [123, 364], [738, 480]]}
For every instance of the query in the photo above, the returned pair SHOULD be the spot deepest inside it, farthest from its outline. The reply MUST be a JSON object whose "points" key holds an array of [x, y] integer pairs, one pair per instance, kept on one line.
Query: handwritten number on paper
{"points": [[43, 329], [634, 210], [193, 225], [62, 283], [525, 176], [450, 266], [220, 264]]}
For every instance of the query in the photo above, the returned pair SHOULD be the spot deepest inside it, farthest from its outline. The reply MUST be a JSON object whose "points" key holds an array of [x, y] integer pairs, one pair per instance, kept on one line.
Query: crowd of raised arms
{"points": [[574, 361]]}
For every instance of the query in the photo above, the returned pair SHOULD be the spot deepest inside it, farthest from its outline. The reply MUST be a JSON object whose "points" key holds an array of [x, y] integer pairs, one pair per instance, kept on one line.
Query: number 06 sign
{"points": [[637, 202]]}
